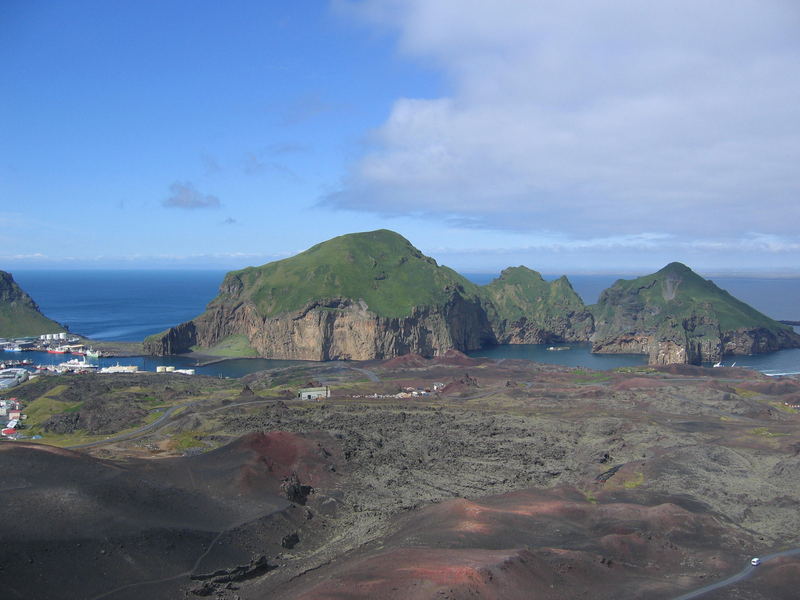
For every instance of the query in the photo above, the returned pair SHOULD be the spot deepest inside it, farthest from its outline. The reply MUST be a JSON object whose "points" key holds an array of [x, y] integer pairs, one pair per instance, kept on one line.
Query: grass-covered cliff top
{"points": [[677, 291], [522, 292], [19, 314], [381, 267]]}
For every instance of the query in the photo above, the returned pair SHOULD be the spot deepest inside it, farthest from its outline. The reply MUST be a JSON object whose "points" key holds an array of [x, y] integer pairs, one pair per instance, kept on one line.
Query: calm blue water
{"points": [[578, 355], [229, 368], [130, 305], [120, 305]]}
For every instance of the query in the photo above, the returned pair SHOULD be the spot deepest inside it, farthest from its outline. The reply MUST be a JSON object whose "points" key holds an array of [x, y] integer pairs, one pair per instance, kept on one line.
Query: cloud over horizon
{"points": [[592, 119], [186, 196]]}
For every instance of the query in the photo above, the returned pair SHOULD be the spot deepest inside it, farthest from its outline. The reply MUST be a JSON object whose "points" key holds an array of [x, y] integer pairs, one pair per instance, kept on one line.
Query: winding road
{"points": [[740, 576], [370, 374], [144, 429], [135, 432]]}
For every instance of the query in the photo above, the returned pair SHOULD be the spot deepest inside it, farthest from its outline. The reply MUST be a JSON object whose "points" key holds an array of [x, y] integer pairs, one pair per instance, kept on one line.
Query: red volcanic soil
{"points": [[638, 383], [696, 371], [772, 388], [452, 358], [258, 463], [406, 361], [422, 573], [552, 544], [455, 358], [74, 526]]}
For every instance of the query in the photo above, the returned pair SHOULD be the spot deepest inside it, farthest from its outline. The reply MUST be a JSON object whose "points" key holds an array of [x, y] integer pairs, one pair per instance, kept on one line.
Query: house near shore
{"points": [[314, 393]]}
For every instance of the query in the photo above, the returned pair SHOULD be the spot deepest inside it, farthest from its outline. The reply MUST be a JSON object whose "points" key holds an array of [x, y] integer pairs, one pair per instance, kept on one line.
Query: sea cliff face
{"points": [[336, 329]]}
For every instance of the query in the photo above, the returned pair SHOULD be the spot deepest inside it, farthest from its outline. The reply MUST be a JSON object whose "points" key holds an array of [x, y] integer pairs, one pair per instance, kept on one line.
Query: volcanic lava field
{"points": [[515, 480]]}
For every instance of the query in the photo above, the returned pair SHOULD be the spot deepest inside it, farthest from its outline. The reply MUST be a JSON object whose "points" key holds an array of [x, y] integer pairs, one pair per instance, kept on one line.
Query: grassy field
{"points": [[234, 346], [521, 292], [380, 267], [20, 321]]}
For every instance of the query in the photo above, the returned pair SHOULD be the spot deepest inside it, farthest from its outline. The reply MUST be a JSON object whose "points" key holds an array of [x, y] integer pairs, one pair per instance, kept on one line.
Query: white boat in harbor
{"points": [[719, 364], [75, 365]]}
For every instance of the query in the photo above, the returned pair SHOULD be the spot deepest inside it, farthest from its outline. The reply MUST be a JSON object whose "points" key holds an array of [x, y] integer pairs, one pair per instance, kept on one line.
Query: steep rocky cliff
{"points": [[676, 316], [358, 296], [526, 309], [19, 314]]}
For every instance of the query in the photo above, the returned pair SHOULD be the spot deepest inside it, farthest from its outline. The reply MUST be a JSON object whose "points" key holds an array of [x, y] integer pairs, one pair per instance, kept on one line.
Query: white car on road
{"points": [[755, 561]]}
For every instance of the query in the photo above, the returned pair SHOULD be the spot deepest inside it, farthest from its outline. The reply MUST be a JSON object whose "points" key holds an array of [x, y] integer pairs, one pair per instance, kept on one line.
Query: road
{"points": [[740, 576], [370, 374], [140, 431], [135, 432]]}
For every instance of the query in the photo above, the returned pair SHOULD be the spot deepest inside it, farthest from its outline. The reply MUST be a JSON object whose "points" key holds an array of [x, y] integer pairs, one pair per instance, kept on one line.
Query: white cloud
{"points": [[592, 118], [186, 196]]}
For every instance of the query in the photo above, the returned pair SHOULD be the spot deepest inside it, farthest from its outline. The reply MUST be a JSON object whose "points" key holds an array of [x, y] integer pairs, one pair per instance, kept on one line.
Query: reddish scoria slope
{"points": [[549, 544], [74, 526]]}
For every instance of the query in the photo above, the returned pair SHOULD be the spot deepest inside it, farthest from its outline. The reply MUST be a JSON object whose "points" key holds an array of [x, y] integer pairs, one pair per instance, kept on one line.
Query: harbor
{"points": [[47, 363], [48, 354]]}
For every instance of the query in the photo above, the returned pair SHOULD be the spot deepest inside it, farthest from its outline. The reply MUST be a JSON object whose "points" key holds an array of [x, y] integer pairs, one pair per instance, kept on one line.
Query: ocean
{"points": [[130, 305], [120, 305]]}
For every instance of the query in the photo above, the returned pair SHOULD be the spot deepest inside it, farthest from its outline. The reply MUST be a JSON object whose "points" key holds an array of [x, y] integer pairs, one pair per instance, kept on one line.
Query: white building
{"points": [[314, 393]]}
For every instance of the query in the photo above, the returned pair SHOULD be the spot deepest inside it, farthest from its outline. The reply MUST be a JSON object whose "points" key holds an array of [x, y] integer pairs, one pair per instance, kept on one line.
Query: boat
{"points": [[76, 365], [719, 364], [58, 350], [92, 353]]}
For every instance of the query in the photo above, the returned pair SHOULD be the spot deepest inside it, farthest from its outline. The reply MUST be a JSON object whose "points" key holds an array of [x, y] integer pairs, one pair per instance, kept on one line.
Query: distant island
{"points": [[373, 295]]}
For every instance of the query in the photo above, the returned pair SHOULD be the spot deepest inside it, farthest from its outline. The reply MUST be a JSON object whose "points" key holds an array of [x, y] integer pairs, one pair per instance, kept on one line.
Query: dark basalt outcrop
{"points": [[19, 314]]}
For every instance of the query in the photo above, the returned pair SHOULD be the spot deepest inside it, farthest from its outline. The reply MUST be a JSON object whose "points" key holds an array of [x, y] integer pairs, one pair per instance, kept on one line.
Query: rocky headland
{"points": [[19, 314], [373, 295]]}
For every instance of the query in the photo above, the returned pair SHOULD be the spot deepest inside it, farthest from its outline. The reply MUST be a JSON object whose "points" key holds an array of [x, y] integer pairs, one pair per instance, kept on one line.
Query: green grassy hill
{"points": [[522, 292], [380, 267], [19, 314], [675, 294]]}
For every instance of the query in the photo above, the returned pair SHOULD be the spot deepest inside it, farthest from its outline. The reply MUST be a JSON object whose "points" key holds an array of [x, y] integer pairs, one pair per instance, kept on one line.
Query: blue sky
{"points": [[568, 136]]}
